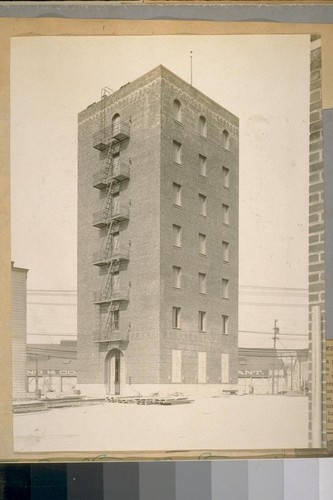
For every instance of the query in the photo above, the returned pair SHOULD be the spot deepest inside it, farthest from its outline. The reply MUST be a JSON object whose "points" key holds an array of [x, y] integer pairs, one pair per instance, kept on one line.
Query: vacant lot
{"points": [[235, 422]]}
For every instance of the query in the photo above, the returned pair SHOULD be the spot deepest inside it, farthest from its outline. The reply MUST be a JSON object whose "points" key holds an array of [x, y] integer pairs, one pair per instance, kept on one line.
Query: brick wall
{"points": [[187, 338], [316, 214]]}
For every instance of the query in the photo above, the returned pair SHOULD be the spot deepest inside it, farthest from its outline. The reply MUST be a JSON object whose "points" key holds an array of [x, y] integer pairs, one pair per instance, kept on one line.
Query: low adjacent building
{"points": [[19, 332], [56, 366], [273, 371]]}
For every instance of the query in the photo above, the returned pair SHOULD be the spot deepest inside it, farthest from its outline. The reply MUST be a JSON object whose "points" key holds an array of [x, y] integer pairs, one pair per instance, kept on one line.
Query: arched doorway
{"points": [[114, 372]]}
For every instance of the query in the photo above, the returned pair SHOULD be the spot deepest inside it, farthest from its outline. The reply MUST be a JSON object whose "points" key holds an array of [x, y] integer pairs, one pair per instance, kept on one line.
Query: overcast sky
{"points": [[264, 80]]}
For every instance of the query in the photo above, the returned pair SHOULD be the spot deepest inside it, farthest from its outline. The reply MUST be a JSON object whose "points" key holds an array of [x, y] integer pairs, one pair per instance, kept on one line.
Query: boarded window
{"points": [[225, 368], [202, 367], [176, 366]]}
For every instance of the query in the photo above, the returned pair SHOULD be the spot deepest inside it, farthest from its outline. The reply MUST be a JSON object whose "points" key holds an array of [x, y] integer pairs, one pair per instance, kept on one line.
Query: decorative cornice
{"points": [[204, 105], [133, 92], [130, 98]]}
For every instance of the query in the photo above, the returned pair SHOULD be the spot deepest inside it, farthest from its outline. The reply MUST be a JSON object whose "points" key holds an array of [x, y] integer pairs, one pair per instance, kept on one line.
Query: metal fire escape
{"points": [[111, 255]]}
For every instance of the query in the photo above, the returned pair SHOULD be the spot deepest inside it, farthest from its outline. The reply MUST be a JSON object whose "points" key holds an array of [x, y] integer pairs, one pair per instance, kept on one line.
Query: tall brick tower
{"points": [[157, 240]]}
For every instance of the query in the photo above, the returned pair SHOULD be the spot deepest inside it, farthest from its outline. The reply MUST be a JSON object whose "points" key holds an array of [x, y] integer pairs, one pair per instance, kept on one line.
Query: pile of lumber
{"points": [[149, 400]]}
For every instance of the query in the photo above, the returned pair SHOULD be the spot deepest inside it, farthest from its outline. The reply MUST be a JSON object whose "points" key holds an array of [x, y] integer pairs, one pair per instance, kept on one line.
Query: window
{"points": [[177, 110], [225, 288], [203, 126], [177, 232], [115, 282], [202, 165], [202, 243], [115, 124], [115, 203], [203, 205], [225, 139], [176, 317], [202, 321], [225, 324], [176, 274], [115, 242], [225, 177], [115, 160], [115, 320], [225, 214], [177, 152], [225, 251], [202, 283], [177, 194]]}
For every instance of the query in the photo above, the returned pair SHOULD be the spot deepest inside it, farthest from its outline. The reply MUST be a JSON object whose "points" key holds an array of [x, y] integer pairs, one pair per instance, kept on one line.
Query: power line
{"points": [[46, 290], [271, 333], [271, 304], [282, 353], [273, 293], [33, 354], [240, 303], [50, 304], [274, 288], [34, 347], [53, 334]]}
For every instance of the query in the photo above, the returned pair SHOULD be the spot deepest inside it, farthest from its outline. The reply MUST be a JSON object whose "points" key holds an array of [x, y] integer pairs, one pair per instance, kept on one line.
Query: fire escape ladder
{"points": [[105, 294]]}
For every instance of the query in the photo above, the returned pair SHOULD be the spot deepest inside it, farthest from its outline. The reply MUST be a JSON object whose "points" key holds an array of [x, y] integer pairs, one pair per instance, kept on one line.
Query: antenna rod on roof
{"points": [[191, 65]]}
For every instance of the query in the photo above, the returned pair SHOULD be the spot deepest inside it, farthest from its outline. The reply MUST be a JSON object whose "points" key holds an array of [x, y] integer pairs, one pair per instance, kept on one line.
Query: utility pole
{"points": [[276, 331]]}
